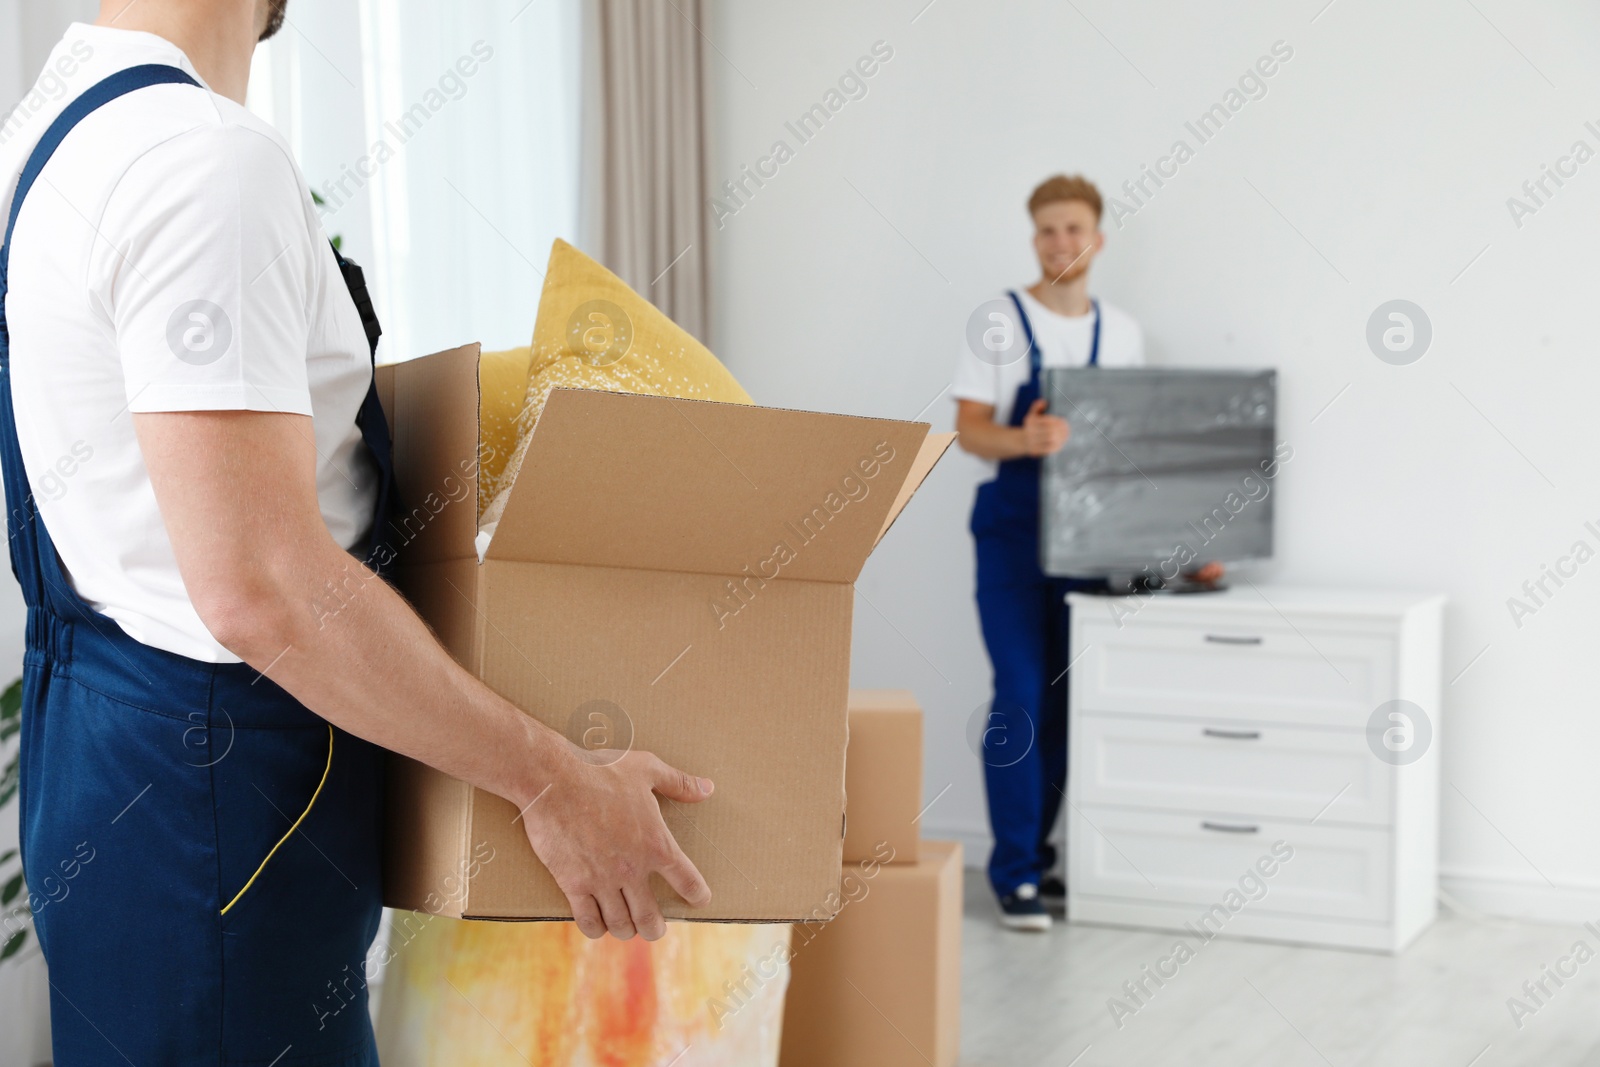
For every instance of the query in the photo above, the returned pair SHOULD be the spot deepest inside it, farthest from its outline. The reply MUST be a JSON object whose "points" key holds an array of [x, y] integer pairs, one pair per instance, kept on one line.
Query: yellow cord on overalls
{"points": [[291, 830]]}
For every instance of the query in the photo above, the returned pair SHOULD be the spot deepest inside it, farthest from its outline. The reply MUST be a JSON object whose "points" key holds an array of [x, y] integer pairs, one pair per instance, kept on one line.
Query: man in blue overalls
{"points": [[1003, 418], [194, 455]]}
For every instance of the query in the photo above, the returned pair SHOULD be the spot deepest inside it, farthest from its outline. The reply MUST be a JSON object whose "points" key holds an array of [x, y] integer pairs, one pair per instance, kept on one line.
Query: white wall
{"points": [[39, 25], [11, 78], [1377, 166]]}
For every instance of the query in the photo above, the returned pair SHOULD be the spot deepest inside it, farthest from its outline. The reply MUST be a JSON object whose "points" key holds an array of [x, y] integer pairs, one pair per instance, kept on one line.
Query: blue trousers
{"points": [[153, 786], [1025, 619]]}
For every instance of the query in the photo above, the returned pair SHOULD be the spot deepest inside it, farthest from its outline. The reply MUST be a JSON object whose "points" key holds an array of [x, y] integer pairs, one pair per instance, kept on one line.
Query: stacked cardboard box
{"points": [[684, 566], [880, 985]]}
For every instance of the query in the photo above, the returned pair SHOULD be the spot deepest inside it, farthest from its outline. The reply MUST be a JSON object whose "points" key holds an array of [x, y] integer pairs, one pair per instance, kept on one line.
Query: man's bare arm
{"points": [[237, 492], [1039, 435]]}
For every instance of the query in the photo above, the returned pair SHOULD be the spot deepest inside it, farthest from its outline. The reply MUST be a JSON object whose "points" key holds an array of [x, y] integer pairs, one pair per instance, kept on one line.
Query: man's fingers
{"points": [[615, 911], [679, 785], [586, 913], [685, 879], [1037, 406], [644, 911]]}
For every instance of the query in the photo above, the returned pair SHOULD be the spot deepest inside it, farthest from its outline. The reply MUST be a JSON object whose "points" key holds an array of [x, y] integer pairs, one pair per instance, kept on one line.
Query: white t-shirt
{"points": [[169, 258], [1063, 341]]}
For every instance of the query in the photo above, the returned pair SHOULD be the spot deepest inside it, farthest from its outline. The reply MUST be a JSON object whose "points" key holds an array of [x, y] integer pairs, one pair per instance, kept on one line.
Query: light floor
{"points": [[1030, 1000]]}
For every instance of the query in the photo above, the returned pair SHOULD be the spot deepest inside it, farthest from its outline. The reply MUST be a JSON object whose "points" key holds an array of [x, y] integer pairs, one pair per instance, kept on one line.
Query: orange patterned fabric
{"points": [[489, 994]]}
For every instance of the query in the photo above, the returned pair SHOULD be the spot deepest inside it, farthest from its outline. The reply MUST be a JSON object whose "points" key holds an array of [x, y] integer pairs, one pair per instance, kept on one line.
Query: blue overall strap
{"points": [[381, 548], [32, 553], [1094, 342], [1027, 331], [1033, 347]]}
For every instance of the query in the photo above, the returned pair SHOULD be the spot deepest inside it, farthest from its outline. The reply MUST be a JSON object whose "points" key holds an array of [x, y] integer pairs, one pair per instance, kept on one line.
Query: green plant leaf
{"points": [[11, 710], [13, 944], [10, 726]]}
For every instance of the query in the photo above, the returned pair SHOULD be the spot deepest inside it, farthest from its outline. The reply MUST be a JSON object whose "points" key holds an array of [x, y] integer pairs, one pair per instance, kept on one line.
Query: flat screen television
{"points": [[1165, 469]]}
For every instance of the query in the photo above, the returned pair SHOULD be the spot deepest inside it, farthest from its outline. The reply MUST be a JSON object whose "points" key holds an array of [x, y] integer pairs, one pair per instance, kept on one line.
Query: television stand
{"points": [[1205, 732]]}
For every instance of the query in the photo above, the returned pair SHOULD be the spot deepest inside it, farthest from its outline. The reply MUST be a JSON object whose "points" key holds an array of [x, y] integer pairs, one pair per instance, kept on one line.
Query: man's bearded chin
{"points": [[275, 13], [1078, 266]]}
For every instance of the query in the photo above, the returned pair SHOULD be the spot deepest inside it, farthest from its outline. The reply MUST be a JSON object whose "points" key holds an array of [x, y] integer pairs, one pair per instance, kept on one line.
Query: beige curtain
{"points": [[645, 169]]}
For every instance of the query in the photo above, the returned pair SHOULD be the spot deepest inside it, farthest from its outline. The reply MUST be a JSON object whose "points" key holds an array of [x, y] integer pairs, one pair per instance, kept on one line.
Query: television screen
{"points": [[1165, 469]]}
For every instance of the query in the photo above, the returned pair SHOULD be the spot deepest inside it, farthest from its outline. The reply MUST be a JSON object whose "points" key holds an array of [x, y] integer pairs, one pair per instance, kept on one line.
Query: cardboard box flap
{"points": [[932, 449], [623, 480], [432, 407]]}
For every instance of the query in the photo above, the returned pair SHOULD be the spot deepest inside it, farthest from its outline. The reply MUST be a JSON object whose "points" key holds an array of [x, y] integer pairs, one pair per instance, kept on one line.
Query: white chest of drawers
{"points": [[1211, 736]]}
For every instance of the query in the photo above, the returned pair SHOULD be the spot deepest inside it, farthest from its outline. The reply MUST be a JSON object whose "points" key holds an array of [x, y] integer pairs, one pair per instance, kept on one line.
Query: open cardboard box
{"points": [[669, 575]]}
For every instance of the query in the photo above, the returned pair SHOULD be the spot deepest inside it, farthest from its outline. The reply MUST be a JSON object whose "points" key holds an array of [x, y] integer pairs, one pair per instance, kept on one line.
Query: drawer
{"points": [[1334, 872], [1231, 672], [1279, 772]]}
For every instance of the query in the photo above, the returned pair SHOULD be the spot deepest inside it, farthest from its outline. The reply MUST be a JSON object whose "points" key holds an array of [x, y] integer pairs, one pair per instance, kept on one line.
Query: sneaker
{"points": [[1053, 891], [1022, 910]]}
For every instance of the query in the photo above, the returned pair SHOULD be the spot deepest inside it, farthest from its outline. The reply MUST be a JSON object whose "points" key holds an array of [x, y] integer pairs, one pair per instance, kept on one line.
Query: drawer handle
{"points": [[1229, 639], [1223, 827], [1234, 735]]}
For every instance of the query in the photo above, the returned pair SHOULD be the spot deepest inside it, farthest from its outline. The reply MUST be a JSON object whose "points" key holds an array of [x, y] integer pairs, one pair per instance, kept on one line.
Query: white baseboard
{"points": [[1529, 897], [1526, 897]]}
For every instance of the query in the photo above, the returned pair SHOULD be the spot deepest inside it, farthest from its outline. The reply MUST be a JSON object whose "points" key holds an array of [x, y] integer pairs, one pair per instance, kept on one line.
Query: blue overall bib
{"points": [[202, 851], [1024, 617]]}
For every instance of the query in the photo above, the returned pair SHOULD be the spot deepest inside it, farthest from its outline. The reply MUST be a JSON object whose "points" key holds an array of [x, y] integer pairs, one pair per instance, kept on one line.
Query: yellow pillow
{"points": [[502, 385], [593, 332]]}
